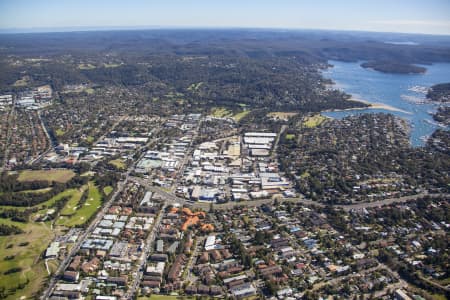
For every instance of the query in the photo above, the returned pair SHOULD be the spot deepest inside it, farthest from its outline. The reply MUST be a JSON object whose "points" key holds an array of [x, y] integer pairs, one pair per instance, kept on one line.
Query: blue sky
{"points": [[413, 16]]}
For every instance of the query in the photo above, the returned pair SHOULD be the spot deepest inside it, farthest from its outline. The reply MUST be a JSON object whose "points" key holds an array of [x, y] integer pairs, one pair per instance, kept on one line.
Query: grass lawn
{"points": [[89, 91], [237, 117], [281, 115], [58, 175], [52, 265], [89, 139], [83, 213], [439, 297], [14, 223], [44, 205], [314, 121], [38, 191], [107, 190], [59, 132], [88, 174], [290, 136], [165, 297], [71, 205], [221, 112], [111, 65], [194, 86], [38, 235], [86, 66], [21, 82], [305, 174], [118, 163]]}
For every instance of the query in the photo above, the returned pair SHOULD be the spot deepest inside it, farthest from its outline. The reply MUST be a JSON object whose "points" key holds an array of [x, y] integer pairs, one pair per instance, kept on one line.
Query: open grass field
{"points": [[71, 205], [38, 191], [44, 205], [52, 265], [59, 132], [107, 190], [281, 115], [83, 213], [439, 297], [165, 297], [221, 112], [21, 82], [34, 240], [118, 163], [33, 273], [58, 175], [111, 65], [89, 91], [305, 174], [86, 67], [314, 121], [194, 86], [239, 116]]}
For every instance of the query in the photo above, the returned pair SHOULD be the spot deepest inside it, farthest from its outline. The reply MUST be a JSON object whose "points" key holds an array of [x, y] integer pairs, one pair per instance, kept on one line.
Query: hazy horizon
{"points": [[402, 16], [70, 29]]}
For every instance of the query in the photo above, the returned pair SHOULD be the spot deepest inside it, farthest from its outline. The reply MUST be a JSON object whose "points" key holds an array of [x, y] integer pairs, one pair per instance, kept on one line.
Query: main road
{"points": [[50, 142], [143, 259], [347, 207], [169, 197], [80, 240], [88, 231], [9, 121]]}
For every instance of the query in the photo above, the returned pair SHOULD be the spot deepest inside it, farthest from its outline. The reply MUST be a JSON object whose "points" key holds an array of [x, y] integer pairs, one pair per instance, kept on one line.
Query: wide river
{"points": [[404, 92]]}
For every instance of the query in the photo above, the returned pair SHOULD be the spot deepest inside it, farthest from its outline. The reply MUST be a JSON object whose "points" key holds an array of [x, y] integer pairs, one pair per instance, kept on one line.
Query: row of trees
{"points": [[31, 199], [9, 229], [9, 183]]}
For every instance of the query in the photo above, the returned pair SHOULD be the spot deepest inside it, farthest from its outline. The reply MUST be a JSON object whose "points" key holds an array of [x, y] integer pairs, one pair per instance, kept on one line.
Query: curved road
{"points": [[304, 201]]}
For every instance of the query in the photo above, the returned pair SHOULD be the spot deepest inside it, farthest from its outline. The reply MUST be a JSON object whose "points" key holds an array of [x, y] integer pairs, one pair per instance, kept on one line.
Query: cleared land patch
{"points": [[71, 205], [59, 132], [22, 82], [281, 115], [83, 212], [58, 175], [239, 116], [221, 112], [118, 163], [32, 272], [107, 190], [112, 65], [314, 121], [89, 91], [166, 297], [44, 205], [38, 191], [86, 66], [194, 86]]}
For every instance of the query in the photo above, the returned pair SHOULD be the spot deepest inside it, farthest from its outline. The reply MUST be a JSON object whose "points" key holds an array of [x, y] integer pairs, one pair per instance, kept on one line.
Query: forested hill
{"points": [[439, 92], [306, 45], [257, 68], [393, 67]]}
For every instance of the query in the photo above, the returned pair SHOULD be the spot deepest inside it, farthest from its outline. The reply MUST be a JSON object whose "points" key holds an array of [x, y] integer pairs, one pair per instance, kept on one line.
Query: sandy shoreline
{"points": [[381, 106], [341, 87], [370, 106]]}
